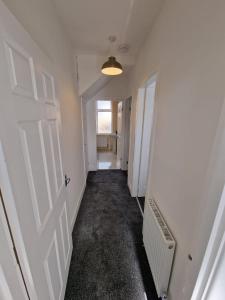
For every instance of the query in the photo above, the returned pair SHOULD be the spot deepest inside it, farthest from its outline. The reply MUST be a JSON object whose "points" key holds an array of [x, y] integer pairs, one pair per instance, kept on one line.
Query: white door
{"points": [[30, 134], [119, 131], [146, 138], [11, 282]]}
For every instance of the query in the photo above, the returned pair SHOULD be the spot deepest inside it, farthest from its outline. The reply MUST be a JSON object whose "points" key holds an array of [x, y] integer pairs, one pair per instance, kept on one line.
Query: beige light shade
{"points": [[112, 67]]}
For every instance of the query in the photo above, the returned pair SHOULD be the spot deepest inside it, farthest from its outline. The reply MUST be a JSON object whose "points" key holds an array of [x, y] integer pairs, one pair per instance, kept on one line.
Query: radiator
{"points": [[102, 141], [159, 245]]}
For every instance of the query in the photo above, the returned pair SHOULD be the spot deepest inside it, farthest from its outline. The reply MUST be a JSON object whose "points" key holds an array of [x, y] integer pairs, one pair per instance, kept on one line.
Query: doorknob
{"points": [[67, 180]]}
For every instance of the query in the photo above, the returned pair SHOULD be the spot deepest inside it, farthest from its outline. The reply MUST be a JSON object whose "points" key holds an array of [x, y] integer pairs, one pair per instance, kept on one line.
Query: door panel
{"points": [[21, 69], [49, 158], [37, 175], [30, 132], [53, 270], [49, 87], [56, 154], [65, 236]]}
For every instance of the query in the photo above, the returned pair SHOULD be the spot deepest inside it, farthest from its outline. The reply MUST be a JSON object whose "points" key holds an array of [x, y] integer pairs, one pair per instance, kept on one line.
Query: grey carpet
{"points": [[108, 260]]}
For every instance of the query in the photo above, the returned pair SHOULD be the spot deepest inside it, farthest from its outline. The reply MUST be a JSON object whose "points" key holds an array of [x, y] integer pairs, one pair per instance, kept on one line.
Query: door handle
{"points": [[67, 180]]}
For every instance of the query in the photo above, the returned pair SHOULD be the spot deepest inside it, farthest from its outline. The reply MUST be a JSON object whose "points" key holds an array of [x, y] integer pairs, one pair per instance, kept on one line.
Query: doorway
{"points": [[210, 281], [106, 134], [146, 137], [112, 133], [145, 111]]}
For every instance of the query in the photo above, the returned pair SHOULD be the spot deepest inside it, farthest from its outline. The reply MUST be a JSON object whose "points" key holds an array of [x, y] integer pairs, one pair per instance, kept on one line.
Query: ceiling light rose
{"points": [[112, 67]]}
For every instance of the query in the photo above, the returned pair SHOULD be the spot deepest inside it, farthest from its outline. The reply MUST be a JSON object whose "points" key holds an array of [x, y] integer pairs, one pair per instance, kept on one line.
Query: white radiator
{"points": [[102, 141], [159, 245]]}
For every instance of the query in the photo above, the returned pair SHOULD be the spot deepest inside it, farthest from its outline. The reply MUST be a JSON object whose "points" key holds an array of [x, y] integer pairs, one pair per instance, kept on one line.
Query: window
{"points": [[104, 116], [104, 105]]}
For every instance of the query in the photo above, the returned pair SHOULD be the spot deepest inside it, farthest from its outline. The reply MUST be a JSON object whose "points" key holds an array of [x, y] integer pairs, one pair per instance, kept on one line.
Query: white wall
{"points": [[89, 69], [89, 66], [186, 48], [117, 88], [91, 135], [39, 18]]}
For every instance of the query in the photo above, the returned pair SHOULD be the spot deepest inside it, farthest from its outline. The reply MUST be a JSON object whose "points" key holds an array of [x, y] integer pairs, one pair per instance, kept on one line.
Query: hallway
{"points": [[107, 160], [112, 142], [108, 259]]}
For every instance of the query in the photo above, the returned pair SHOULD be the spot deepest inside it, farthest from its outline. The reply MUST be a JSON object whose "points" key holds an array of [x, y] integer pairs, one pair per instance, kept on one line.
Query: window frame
{"points": [[104, 110]]}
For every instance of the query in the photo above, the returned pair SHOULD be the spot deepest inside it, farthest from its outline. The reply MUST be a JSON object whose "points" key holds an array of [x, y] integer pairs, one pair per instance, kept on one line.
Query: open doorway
{"points": [[144, 140], [112, 133], [106, 134]]}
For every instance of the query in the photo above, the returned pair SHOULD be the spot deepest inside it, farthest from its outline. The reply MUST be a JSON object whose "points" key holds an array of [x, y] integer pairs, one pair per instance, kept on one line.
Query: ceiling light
{"points": [[112, 67]]}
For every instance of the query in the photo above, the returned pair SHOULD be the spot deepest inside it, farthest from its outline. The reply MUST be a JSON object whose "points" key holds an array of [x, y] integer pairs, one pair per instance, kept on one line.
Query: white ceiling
{"points": [[90, 22]]}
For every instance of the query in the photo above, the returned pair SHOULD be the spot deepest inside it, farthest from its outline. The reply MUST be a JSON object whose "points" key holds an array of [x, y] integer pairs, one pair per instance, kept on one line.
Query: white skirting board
{"points": [[131, 189], [78, 205]]}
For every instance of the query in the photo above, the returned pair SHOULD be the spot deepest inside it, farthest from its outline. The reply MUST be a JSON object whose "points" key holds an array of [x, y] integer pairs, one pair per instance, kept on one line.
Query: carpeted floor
{"points": [[141, 201], [109, 260]]}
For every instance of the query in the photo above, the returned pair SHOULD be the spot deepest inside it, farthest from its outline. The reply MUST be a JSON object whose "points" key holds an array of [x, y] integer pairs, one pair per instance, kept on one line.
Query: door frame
{"points": [[90, 145], [214, 250], [13, 255], [213, 213], [84, 135], [127, 103], [125, 132], [7, 194], [139, 119]]}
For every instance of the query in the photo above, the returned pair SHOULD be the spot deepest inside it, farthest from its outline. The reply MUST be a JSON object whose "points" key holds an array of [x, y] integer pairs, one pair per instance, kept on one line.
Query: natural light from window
{"points": [[104, 117]]}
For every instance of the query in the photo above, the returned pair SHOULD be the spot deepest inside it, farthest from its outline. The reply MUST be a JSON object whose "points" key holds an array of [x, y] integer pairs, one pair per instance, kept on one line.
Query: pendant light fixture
{"points": [[112, 67]]}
